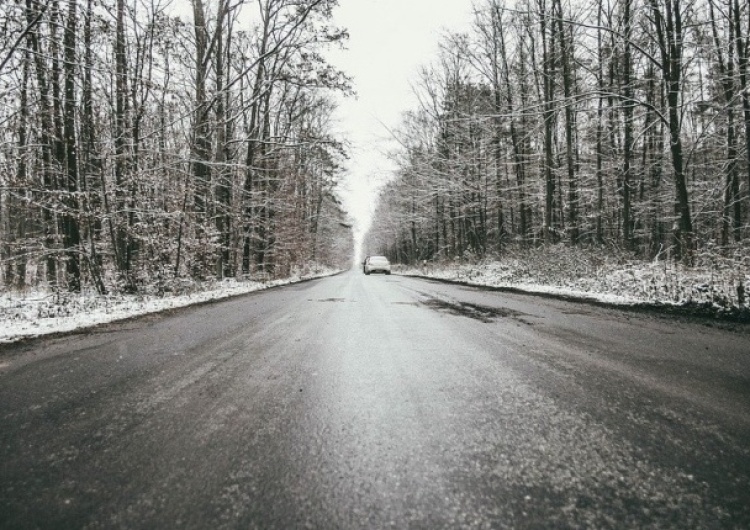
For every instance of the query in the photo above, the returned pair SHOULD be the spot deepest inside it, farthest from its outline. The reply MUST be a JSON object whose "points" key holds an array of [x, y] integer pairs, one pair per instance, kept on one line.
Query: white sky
{"points": [[389, 41]]}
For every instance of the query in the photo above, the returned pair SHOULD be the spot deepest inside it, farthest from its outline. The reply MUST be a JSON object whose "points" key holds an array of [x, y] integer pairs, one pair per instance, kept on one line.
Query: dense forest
{"points": [[141, 144], [621, 125]]}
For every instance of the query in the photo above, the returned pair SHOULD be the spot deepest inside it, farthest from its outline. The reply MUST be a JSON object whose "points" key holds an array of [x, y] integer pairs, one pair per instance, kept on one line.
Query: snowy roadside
{"points": [[706, 291], [35, 313]]}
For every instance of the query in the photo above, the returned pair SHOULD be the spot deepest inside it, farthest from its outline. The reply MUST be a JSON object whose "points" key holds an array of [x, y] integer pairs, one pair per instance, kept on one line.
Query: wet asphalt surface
{"points": [[379, 402]]}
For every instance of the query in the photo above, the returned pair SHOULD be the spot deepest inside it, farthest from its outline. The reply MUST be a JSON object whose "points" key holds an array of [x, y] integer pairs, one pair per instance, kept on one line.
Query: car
{"points": [[377, 264]]}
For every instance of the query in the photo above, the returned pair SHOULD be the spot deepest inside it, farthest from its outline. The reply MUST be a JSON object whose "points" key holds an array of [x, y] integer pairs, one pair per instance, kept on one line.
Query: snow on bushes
{"points": [[718, 283]]}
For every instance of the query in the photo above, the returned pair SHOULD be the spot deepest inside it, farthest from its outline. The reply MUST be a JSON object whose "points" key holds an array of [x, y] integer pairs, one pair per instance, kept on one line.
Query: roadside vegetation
{"points": [[36, 312], [147, 145], [714, 287], [596, 146]]}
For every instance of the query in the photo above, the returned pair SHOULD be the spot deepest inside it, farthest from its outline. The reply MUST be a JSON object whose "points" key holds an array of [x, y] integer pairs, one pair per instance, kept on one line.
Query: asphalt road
{"points": [[377, 402]]}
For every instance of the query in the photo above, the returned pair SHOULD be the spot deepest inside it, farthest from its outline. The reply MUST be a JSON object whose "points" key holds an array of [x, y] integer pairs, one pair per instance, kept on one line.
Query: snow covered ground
{"points": [[34, 313], [714, 287]]}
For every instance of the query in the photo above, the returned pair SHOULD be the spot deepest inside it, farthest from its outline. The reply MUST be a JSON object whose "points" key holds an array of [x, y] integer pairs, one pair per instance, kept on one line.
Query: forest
{"points": [[621, 126], [148, 142]]}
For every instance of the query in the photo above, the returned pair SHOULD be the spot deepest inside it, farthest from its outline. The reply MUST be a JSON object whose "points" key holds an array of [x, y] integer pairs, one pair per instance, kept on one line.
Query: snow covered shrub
{"points": [[717, 282]]}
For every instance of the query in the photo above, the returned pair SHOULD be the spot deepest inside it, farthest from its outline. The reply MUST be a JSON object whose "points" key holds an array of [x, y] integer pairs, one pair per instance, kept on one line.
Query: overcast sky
{"points": [[389, 41]]}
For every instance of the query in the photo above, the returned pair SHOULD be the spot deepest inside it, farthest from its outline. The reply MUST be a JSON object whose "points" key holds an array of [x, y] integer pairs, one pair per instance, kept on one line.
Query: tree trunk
{"points": [[548, 71], [254, 144], [71, 230], [627, 221], [201, 143], [732, 201], [742, 61], [670, 40], [600, 132], [222, 190], [515, 135], [566, 51]]}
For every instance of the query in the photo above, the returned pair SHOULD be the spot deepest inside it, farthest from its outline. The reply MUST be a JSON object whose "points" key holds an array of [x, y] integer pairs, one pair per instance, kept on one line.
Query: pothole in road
{"points": [[482, 313]]}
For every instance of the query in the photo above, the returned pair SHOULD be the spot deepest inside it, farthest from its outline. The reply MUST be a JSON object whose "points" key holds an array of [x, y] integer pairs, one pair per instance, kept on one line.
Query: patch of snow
{"points": [[35, 313], [578, 274]]}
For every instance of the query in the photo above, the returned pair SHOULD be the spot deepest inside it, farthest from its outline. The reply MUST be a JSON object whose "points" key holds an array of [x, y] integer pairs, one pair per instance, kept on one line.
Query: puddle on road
{"points": [[332, 300], [482, 313]]}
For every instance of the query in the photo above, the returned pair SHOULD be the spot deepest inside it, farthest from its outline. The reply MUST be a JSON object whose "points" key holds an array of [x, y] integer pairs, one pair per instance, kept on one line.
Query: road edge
{"points": [[703, 311], [25, 340]]}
